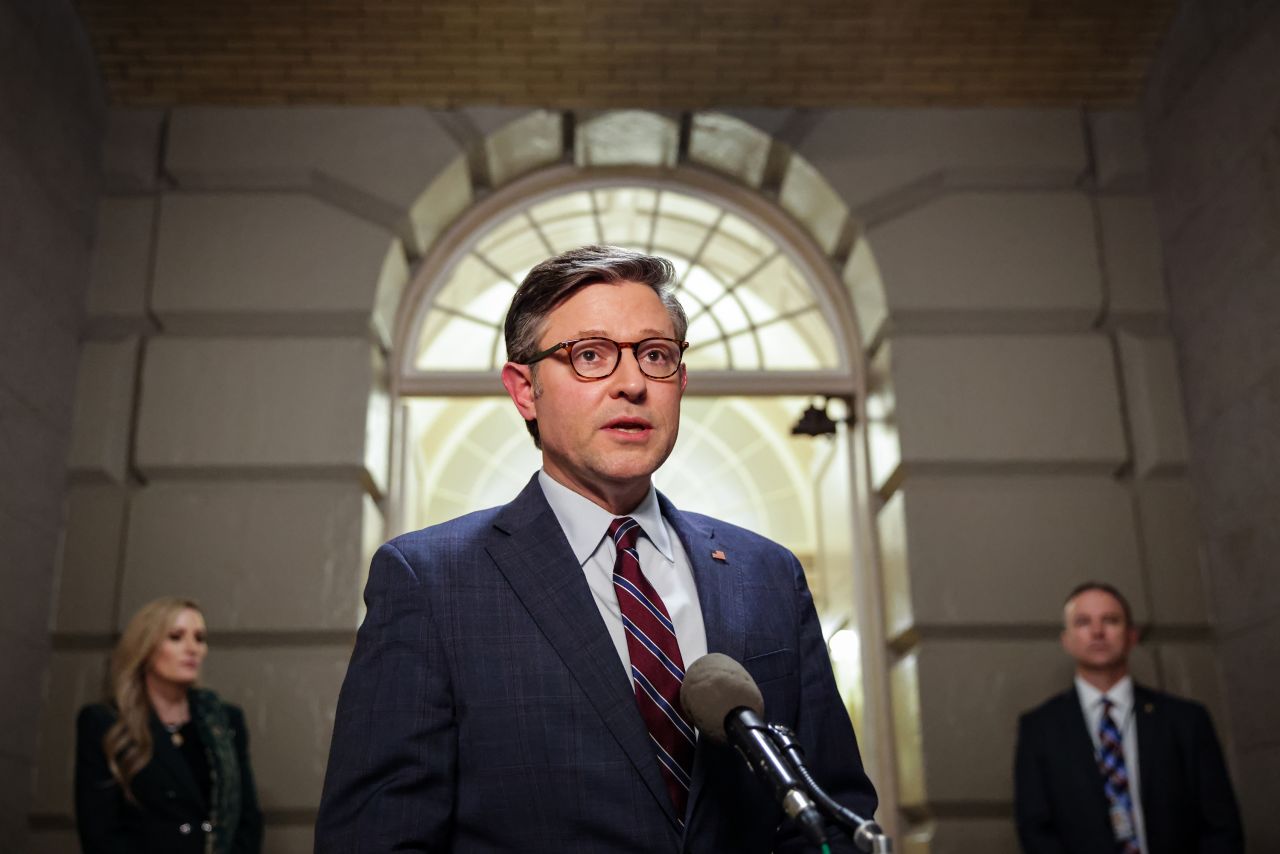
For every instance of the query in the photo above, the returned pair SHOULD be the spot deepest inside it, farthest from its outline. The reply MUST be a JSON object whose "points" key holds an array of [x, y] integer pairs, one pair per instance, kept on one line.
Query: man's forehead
{"points": [[1106, 602]]}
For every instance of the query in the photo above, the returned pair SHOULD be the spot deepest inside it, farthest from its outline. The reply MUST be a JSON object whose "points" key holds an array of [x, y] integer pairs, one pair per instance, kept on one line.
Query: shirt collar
{"points": [[586, 523], [1120, 694]]}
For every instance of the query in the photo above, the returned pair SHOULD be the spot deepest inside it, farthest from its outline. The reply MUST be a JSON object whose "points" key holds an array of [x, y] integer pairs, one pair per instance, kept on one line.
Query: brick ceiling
{"points": [[627, 53]]}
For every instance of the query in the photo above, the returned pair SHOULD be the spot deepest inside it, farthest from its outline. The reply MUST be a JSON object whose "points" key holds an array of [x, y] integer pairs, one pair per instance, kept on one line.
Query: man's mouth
{"points": [[629, 425]]}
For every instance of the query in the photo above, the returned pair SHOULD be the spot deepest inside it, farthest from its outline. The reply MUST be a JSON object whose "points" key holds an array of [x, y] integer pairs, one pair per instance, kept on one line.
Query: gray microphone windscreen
{"points": [[714, 686]]}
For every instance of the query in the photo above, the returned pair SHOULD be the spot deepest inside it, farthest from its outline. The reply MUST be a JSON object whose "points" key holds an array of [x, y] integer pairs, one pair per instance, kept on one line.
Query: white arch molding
{"points": [[847, 380]]}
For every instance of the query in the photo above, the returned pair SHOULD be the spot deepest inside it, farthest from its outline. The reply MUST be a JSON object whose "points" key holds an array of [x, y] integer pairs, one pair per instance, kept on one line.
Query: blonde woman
{"points": [[163, 766]]}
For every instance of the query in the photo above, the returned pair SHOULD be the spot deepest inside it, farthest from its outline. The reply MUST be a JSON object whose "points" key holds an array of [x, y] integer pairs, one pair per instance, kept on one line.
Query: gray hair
{"points": [[555, 280]]}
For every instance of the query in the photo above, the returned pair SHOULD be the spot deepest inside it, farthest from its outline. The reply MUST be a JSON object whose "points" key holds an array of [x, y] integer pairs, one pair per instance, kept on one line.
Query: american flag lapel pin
{"points": [[720, 556]]}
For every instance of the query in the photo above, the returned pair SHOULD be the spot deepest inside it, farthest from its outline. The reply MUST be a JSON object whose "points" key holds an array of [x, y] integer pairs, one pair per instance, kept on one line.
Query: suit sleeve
{"points": [[248, 836], [1220, 829], [1037, 826], [389, 783], [823, 727], [100, 803]]}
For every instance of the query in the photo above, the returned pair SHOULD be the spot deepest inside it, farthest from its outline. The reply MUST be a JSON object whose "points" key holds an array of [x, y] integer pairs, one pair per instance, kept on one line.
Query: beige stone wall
{"points": [[1212, 117], [231, 431], [52, 115], [231, 438], [1025, 431]]}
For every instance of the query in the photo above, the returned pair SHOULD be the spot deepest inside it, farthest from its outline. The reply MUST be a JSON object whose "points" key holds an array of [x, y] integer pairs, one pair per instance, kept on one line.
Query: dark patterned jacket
{"points": [[170, 812]]}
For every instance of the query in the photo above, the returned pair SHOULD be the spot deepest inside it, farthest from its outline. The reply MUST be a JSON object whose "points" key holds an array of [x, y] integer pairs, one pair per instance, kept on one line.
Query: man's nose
{"points": [[628, 378]]}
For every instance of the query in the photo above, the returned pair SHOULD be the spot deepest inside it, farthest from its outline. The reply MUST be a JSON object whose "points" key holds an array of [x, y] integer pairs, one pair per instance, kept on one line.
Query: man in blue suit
{"points": [[512, 685]]}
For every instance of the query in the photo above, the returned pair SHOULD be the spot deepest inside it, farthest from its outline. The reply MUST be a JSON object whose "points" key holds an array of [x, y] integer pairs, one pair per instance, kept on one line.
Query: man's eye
{"points": [[656, 355], [588, 355]]}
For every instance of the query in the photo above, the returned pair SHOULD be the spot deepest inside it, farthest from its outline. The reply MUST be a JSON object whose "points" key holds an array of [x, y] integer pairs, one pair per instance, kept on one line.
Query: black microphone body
{"points": [[748, 733], [725, 704]]}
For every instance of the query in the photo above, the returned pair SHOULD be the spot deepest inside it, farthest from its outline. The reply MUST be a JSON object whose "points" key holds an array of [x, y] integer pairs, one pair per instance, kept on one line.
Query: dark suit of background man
{"points": [[491, 702], [1166, 789]]}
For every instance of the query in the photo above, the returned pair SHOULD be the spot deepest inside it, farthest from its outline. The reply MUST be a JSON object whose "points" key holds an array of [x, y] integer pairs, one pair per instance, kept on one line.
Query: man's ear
{"points": [[518, 381], [684, 377]]}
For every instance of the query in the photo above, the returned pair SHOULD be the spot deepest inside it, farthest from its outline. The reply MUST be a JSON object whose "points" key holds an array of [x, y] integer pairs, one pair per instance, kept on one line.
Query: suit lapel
{"points": [[720, 598], [1079, 753], [532, 553], [719, 582], [1146, 720]]}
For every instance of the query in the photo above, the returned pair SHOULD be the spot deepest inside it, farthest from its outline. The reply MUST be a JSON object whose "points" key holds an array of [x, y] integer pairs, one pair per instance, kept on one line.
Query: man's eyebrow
{"points": [[649, 332]]}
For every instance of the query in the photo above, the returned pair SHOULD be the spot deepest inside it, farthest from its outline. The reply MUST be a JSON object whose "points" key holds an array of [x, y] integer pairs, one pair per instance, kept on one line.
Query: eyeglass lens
{"points": [[598, 357]]}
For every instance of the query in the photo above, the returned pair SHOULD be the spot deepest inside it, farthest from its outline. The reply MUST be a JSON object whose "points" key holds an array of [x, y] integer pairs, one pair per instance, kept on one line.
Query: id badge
{"points": [[1122, 823]]}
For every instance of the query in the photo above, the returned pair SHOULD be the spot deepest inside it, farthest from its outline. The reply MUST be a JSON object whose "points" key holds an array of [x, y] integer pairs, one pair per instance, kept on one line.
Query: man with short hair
{"points": [[1113, 766], [515, 684]]}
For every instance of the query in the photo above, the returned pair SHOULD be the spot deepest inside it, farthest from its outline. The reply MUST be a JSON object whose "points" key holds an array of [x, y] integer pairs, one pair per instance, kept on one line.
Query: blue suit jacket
{"points": [[485, 708]]}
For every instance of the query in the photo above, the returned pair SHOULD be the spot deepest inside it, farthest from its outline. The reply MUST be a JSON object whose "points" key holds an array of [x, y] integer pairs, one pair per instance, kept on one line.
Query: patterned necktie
{"points": [[1115, 782], [656, 666]]}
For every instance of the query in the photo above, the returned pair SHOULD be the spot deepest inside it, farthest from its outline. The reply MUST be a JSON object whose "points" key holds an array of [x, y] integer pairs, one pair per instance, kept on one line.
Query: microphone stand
{"points": [[866, 834]]}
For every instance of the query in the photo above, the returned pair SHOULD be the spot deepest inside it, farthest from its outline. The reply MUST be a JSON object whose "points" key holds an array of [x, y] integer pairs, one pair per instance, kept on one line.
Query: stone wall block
{"points": [[1253, 654], [89, 570], [1190, 669], [392, 279], [1005, 550], [1119, 150], [289, 695], [75, 678], [862, 278], [1171, 537], [104, 411], [289, 839], [1133, 259], [1241, 559], [971, 694], [962, 836], [251, 262], [257, 556], [1155, 404], [263, 405], [1215, 135], [517, 141], [1028, 258], [808, 196], [375, 161], [1237, 452], [880, 159], [1238, 320], [131, 150], [122, 251], [28, 548], [1045, 402]]}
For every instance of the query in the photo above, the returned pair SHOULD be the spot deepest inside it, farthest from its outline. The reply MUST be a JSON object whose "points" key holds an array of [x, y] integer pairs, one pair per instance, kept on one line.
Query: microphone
{"points": [[725, 704]]}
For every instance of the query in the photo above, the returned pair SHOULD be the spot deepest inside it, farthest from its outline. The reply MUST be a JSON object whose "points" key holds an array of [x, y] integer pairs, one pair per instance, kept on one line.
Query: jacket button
{"points": [[184, 828], [206, 827]]}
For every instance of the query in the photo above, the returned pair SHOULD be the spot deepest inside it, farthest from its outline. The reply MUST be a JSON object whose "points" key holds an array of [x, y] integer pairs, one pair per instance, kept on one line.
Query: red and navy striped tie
{"points": [[656, 666], [1115, 781]]}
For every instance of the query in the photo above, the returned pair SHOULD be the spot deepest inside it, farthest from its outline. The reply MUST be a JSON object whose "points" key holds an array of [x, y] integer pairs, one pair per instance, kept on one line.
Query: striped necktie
{"points": [[1115, 781], [656, 666]]}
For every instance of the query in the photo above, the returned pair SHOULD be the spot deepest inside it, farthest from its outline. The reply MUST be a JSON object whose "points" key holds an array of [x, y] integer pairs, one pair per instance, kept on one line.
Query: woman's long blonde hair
{"points": [[128, 742]]}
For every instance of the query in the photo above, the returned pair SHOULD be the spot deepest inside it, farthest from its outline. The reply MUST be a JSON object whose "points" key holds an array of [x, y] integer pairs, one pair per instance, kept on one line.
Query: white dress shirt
{"points": [[662, 560], [1123, 713]]}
